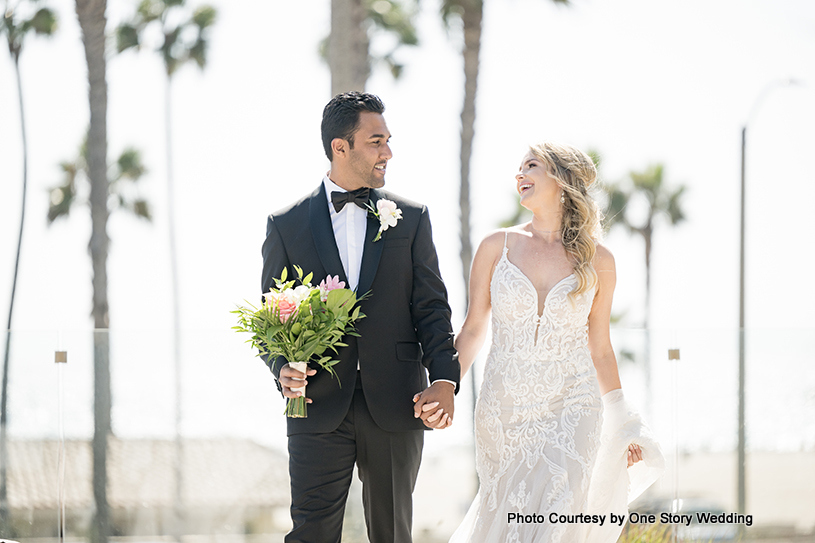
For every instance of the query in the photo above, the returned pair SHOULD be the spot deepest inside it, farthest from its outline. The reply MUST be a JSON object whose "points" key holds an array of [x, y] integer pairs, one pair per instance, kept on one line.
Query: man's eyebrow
{"points": [[375, 136]]}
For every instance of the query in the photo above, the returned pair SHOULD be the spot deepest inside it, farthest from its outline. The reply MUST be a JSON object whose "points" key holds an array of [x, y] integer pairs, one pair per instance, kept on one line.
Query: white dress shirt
{"points": [[349, 226]]}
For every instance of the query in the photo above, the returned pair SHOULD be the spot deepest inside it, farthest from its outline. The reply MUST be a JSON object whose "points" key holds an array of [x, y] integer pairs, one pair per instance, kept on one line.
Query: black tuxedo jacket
{"points": [[407, 317]]}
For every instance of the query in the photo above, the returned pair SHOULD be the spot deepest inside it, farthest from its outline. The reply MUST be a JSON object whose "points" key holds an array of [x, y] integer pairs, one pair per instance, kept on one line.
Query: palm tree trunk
{"points": [[92, 21], [5, 526], [178, 525], [348, 47], [472, 21], [647, 236]]}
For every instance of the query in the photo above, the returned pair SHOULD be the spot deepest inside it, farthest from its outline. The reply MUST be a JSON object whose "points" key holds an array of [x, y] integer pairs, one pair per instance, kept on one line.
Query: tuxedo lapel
{"points": [[372, 251], [323, 234]]}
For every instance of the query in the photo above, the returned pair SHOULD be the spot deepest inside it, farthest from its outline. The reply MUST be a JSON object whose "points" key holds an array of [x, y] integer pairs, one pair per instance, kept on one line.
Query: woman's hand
{"points": [[427, 408], [634, 454]]}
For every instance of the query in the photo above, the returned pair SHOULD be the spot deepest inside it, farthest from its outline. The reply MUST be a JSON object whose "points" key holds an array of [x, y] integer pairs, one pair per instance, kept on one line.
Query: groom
{"points": [[366, 417]]}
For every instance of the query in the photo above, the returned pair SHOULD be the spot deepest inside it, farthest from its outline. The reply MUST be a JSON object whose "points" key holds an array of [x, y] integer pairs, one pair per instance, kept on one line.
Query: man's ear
{"points": [[339, 147]]}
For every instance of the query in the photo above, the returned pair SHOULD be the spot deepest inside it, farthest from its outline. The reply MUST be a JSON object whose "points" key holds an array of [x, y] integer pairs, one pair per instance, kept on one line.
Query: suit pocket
{"points": [[397, 242], [409, 351]]}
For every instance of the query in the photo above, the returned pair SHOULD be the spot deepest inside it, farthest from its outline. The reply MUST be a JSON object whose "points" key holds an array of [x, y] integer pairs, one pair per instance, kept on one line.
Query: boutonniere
{"points": [[387, 213]]}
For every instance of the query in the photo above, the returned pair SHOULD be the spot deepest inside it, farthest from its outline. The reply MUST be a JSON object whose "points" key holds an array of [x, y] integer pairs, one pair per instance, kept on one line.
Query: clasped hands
{"points": [[434, 405]]}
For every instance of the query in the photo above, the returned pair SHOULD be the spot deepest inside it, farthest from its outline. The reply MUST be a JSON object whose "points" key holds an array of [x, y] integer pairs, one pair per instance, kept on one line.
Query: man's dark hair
{"points": [[341, 117]]}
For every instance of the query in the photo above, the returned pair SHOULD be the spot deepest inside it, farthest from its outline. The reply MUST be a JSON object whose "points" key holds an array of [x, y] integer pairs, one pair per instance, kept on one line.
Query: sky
{"points": [[640, 81]]}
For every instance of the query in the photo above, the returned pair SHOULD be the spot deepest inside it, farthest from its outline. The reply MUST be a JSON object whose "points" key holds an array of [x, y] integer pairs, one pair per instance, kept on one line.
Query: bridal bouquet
{"points": [[301, 323]]}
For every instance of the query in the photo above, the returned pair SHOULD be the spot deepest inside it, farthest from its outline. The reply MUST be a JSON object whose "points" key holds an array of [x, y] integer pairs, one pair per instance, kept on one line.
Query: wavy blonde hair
{"points": [[580, 228]]}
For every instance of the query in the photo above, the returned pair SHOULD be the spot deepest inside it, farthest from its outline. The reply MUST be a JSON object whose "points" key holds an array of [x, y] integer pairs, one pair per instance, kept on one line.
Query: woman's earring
{"points": [[562, 198]]}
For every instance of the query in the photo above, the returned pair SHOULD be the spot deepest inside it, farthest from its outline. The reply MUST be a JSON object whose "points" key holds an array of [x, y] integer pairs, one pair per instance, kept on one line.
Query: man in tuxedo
{"points": [[368, 416]]}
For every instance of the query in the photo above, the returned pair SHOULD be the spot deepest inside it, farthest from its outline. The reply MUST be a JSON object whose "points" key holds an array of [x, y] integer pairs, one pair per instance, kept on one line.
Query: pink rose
{"points": [[286, 308]]}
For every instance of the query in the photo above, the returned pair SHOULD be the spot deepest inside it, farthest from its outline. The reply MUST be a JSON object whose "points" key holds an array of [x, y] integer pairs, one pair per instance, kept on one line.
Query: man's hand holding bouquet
{"points": [[300, 323]]}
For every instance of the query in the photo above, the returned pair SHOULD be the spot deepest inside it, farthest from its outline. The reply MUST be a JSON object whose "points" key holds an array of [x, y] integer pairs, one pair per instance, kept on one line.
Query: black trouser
{"points": [[321, 467]]}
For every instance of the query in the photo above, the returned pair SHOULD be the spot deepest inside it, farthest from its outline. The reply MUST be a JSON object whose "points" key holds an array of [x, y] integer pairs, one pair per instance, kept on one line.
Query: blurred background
{"points": [[212, 122]]}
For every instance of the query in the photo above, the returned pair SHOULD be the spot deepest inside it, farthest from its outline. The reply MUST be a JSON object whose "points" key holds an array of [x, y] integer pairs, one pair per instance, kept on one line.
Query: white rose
{"points": [[388, 214], [300, 293]]}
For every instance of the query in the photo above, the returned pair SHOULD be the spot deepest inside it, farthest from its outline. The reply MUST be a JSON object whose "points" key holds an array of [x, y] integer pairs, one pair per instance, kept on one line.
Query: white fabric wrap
{"points": [[614, 485], [299, 366]]}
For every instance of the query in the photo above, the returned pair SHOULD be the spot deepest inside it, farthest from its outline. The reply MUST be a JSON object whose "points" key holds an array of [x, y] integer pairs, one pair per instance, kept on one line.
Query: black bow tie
{"points": [[359, 197]]}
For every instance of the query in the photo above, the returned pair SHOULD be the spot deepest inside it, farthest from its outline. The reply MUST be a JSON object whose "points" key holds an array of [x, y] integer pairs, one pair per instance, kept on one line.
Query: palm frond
{"points": [[178, 47], [127, 36], [396, 18], [61, 197], [149, 11], [130, 164], [198, 52], [44, 22], [204, 17]]}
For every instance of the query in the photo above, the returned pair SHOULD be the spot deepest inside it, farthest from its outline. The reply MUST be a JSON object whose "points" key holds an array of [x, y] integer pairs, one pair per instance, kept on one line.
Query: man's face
{"points": [[368, 159]]}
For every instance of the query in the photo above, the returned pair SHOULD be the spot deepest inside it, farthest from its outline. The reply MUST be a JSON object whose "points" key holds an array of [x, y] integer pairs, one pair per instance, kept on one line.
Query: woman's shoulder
{"points": [[493, 243], [603, 259]]}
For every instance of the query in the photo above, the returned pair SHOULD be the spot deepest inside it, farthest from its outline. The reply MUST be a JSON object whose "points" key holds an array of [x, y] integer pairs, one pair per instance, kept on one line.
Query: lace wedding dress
{"points": [[539, 424]]}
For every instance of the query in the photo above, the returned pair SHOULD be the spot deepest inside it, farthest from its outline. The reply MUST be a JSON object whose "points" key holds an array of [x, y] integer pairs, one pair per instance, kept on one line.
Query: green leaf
{"points": [[337, 298]]}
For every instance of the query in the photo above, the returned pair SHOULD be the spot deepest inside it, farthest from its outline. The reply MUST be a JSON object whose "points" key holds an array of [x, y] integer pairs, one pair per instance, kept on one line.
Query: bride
{"points": [[553, 433]]}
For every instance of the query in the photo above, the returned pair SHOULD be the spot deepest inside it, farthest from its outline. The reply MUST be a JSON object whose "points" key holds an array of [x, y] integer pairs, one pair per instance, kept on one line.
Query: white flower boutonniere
{"points": [[387, 213]]}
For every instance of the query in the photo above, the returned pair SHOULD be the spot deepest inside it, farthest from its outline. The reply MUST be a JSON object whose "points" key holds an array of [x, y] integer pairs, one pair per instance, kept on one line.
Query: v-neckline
{"points": [[532, 286]]}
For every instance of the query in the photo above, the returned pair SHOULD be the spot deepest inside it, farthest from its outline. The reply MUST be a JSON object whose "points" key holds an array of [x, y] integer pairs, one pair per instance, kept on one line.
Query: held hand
{"points": [[435, 405], [634, 454], [291, 378]]}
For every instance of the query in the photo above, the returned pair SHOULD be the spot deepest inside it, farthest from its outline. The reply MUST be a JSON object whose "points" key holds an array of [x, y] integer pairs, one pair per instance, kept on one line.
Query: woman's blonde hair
{"points": [[580, 228]]}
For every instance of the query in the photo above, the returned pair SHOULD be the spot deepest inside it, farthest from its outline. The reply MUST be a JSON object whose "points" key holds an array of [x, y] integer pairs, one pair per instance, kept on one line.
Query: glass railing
{"points": [[198, 447]]}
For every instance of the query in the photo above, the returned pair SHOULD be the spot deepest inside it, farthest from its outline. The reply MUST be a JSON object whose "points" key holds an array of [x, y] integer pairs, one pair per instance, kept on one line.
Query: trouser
{"points": [[321, 467]]}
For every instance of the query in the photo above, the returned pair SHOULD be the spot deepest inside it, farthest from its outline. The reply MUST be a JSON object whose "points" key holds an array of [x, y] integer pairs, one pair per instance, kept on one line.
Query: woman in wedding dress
{"points": [[551, 393]]}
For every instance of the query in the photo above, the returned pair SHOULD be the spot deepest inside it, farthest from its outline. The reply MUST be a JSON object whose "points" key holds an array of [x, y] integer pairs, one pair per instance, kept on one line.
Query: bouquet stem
{"points": [[296, 407]]}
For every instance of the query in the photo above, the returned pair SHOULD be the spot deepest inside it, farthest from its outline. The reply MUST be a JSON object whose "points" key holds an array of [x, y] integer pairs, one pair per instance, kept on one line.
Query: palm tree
{"points": [[127, 171], [16, 26], [92, 21], [471, 14], [123, 178], [185, 40], [660, 200], [347, 48]]}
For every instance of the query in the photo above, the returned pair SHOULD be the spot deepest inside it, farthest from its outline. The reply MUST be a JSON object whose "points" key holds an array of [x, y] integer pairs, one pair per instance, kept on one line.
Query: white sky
{"points": [[642, 81]]}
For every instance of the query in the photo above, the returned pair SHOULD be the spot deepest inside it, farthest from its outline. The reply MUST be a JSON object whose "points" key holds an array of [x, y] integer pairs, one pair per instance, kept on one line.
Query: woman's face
{"points": [[534, 184]]}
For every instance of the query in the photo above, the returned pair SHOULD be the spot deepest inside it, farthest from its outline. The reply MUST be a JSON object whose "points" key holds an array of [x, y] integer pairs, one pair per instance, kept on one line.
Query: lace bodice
{"points": [[517, 327]]}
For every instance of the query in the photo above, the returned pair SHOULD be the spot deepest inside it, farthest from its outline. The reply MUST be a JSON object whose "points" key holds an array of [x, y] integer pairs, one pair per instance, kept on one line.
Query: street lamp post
{"points": [[742, 494]]}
